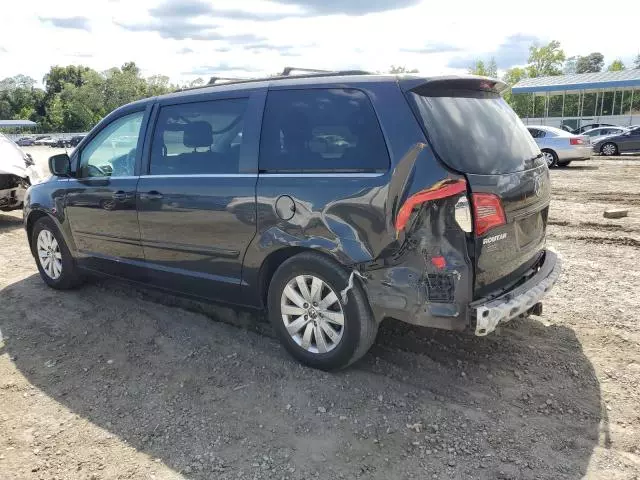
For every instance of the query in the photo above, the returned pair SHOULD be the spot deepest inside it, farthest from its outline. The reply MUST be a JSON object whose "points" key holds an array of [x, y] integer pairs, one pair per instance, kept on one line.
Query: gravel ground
{"points": [[111, 382]]}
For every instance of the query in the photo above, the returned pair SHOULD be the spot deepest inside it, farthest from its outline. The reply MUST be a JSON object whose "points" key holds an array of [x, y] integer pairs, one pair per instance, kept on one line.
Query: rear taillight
{"points": [[440, 190], [576, 141], [488, 212]]}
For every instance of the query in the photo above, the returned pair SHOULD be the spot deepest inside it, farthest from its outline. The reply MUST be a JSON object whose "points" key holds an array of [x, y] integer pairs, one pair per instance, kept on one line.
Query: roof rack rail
{"points": [[287, 71], [285, 75], [213, 80]]}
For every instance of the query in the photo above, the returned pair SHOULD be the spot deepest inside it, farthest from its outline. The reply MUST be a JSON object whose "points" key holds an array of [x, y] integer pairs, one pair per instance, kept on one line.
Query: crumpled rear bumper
{"points": [[488, 314]]}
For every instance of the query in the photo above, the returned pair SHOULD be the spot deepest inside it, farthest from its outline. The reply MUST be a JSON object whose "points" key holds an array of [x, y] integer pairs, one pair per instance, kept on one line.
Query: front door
{"points": [[196, 205], [100, 202], [631, 143]]}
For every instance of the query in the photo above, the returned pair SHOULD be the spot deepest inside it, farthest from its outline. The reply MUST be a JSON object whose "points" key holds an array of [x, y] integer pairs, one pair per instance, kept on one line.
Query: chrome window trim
{"points": [[204, 175], [109, 177], [270, 175], [324, 175]]}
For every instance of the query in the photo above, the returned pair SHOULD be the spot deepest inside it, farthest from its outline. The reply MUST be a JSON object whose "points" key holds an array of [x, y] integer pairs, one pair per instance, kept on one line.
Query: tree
{"points": [[401, 69], [636, 62], [545, 60], [520, 103], [158, 85], [616, 66], [488, 70], [58, 76], [591, 63], [570, 65], [198, 82]]}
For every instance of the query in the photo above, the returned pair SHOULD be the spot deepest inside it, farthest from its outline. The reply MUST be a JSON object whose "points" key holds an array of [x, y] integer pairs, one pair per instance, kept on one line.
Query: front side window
{"points": [[198, 138], [321, 130], [112, 152]]}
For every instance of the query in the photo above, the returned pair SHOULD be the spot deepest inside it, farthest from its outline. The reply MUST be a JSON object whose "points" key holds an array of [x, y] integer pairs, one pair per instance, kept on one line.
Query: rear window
{"points": [[476, 132], [321, 130]]}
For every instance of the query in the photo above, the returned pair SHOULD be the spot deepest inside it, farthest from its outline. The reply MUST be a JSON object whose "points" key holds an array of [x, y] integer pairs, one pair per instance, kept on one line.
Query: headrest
{"points": [[197, 134]]}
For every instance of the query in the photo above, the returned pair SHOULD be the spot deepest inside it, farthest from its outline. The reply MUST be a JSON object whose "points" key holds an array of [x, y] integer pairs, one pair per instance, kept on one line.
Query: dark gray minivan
{"points": [[334, 201]]}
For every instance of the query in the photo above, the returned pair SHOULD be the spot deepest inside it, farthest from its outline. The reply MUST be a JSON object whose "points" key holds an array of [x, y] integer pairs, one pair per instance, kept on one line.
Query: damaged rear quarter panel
{"points": [[351, 218], [409, 285]]}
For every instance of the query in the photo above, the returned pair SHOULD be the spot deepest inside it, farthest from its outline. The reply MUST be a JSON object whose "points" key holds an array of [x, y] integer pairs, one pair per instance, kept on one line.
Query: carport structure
{"points": [[581, 98]]}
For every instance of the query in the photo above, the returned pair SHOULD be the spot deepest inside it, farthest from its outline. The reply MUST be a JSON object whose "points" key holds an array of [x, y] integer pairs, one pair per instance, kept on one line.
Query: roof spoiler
{"points": [[438, 86]]}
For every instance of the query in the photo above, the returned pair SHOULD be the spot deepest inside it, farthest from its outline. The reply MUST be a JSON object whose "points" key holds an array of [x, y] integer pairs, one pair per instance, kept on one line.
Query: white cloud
{"points": [[189, 38]]}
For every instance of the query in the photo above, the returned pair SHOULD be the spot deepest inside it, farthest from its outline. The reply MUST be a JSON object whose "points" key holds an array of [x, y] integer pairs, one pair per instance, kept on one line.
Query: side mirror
{"points": [[60, 165]]}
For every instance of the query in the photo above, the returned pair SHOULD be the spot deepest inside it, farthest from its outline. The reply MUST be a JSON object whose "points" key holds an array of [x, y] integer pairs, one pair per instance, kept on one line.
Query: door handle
{"points": [[119, 195], [152, 195]]}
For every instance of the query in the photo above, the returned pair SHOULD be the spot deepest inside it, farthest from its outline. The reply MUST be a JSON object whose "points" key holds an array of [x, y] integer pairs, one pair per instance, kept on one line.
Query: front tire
{"points": [[53, 258], [310, 318], [609, 149], [551, 158]]}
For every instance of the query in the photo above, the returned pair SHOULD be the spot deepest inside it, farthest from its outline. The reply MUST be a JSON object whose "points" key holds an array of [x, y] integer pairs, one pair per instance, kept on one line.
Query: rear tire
{"points": [[551, 158], [300, 315], [609, 149], [53, 258]]}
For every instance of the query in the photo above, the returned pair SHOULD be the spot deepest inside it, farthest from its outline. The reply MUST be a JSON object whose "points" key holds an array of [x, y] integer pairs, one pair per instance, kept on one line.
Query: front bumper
{"points": [[489, 313]]}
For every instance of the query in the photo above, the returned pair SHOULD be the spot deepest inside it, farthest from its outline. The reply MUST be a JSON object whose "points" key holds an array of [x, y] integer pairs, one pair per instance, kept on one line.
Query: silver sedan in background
{"points": [[597, 133], [560, 148]]}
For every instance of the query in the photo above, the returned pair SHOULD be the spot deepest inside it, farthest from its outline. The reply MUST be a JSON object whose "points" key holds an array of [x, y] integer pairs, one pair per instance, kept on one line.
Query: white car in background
{"points": [[17, 173], [559, 147]]}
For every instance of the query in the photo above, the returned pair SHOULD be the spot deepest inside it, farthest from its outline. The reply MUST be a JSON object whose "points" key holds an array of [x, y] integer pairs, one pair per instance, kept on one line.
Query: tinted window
{"points": [[321, 130], [112, 152], [198, 138], [535, 133], [476, 132]]}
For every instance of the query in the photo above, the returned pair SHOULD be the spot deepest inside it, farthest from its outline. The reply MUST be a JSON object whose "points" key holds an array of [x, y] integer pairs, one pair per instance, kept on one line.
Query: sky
{"points": [[186, 39]]}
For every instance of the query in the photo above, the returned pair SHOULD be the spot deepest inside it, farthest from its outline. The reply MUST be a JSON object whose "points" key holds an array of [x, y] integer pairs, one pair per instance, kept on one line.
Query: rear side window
{"points": [[476, 132], [535, 133], [321, 130], [198, 138]]}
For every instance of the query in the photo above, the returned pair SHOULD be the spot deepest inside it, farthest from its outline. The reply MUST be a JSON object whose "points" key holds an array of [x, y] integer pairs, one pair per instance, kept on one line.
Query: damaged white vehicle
{"points": [[16, 174]]}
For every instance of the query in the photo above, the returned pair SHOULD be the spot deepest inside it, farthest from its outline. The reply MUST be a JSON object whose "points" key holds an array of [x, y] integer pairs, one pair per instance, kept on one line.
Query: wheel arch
{"points": [[33, 217], [276, 258]]}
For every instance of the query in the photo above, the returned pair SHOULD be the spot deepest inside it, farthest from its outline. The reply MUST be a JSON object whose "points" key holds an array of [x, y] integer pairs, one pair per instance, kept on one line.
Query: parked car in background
{"points": [[625, 142], [584, 128], [75, 140], [61, 142], [597, 133], [316, 197], [16, 168], [44, 141], [25, 141], [560, 147]]}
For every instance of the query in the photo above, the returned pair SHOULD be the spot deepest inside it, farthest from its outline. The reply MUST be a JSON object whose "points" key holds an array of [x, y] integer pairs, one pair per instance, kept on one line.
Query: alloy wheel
{"points": [[548, 156], [312, 314], [49, 254], [609, 149]]}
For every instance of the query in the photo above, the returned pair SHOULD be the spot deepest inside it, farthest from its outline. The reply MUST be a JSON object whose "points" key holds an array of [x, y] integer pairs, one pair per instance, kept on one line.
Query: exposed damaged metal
{"points": [[16, 170]]}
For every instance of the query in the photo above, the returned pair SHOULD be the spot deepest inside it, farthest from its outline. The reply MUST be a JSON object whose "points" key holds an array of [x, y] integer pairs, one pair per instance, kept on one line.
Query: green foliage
{"points": [[490, 69], [636, 62], [591, 63], [545, 60], [616, 66], [401, 69], [76, 97], [570, 65], [520, 103]]}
